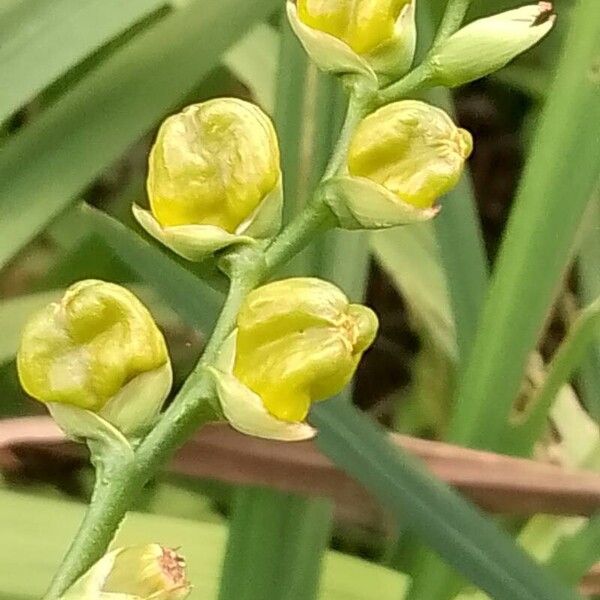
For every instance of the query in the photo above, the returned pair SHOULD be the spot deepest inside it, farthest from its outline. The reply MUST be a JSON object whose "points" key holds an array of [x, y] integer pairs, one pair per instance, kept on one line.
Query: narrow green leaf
{"points": [[189, 296], [451, 526], [34, 53], [48, 163], [575, 555], [411, 258], [538, 239], [589, 278], [581, 335], [276, 542], [253, 60]]}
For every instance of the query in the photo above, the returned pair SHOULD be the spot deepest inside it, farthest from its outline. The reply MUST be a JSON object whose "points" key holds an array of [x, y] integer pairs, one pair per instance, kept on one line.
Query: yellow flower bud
{"points": [[362, 24], [297, 341], [487, 45], [401, 159], [92, 347], [145, 572], [367, 37], [412, 149], [214, 178]]}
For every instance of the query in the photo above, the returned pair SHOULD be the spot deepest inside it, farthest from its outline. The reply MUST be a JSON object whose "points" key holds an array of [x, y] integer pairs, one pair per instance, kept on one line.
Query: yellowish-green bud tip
{"points": [[299, 340], [487, 45], [84, 349], [412, 149], [212, 164], [145, 572], [362, 24]]}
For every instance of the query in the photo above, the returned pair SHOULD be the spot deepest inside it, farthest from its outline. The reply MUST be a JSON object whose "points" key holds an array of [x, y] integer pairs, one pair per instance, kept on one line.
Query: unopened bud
{"points": [[487, 45]]}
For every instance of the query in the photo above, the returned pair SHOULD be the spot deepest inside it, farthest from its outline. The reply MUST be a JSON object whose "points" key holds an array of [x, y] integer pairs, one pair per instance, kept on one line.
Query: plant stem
{"points": [[454, 15], [191, 408], [317, 214], [422, 76]]}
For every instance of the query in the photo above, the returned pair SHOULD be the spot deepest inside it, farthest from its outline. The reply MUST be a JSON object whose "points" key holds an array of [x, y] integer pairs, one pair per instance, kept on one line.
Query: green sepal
{"points": [[359, 203], [245, 409], [106, 442], [198, 242]]}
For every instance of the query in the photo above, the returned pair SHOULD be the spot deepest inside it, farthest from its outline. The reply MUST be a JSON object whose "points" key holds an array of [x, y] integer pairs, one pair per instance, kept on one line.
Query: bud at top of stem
{"points": [[412, 149], [212, 164], [85, 348], [488, 44], [362, 24]]}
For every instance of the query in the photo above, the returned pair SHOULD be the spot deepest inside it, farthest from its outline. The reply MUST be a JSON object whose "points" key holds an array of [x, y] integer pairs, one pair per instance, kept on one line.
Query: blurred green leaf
{"points": [[448, 524], [49, 162], [29, 559], [33, 52], [253, 60], [411, 257]]}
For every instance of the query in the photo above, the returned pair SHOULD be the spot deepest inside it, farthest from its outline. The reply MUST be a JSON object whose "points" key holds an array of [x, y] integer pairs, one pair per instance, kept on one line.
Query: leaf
{"points": [[48, 163], [411, 257], [253, 60], [538, 241], [34, 53], [463, 537]]}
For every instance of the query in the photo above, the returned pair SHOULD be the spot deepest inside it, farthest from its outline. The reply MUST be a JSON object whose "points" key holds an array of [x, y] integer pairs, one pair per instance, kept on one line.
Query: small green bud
{"points": [[370, 38], [214, 178], [401, 159], [148, 572], [297, 341], [97, 350], [489, 44]]}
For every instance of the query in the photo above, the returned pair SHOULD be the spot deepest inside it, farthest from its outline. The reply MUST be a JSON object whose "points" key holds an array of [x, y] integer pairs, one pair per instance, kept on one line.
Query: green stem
{"points": [[192, 406], [423, 76], [454, 15]]}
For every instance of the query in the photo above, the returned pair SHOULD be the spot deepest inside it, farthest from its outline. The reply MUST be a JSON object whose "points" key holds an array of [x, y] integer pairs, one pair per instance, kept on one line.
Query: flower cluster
{"points": [[215, 185]]}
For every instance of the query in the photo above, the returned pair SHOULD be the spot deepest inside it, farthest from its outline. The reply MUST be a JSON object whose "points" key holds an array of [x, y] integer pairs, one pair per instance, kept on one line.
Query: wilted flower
{"points": [[99, 350], [401, 159], [214, 178], [145, 572], [297, 341], [487, 45], [368, 37]]}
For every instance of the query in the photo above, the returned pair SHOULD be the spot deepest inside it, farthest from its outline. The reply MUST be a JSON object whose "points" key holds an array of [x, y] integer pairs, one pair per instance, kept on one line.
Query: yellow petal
{"points": [[299, 341], [362, 24]]}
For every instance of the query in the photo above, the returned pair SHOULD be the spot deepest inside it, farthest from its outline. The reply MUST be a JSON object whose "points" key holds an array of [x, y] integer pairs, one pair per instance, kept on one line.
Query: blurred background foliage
{"points": [[84, 85]]}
